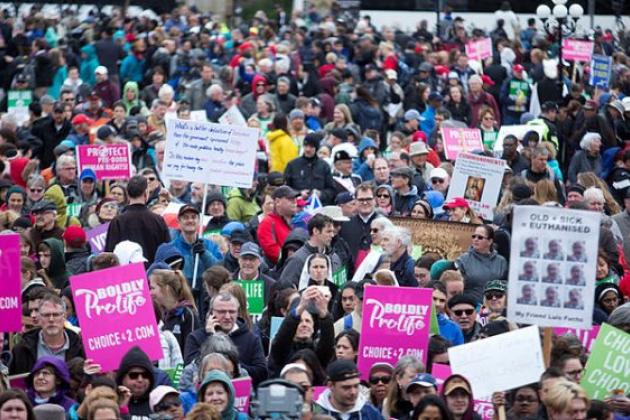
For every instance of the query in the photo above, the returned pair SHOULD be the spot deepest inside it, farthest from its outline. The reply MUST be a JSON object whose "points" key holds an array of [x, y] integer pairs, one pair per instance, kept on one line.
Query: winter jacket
{"points": [[132, 69], [196, 94], [57, 271], [76, 261], [61, 73], [181, 321], [210, 257], [450, 330], [25, 352], [46, 130], [89, 63], [296, 238], [356, 232], [362, 410], [62, 374], [250, 351], [476, 103], [304, 173], [403, 268], [282, 150], [229, 412], [272, 232], [136, 358], [478, 269], [403, 202], [171, 349], [137, 102], [295, 265], [108, 91], [284, 346], [61, 196], [583, 162], [240, 206]]}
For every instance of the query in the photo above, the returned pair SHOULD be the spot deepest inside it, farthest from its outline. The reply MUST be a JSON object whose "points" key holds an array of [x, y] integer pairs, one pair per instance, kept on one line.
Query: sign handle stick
{"points": [[203, 211], [547, 338], [501, 412], [574, 74]]}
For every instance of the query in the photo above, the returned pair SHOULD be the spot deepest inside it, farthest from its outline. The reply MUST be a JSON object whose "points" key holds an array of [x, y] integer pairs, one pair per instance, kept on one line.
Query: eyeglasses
{"points": [[383, 195], [475, 236], [437, 181], [136, 375], [365, 200], [36, 190], [491, 296], [51, 315], [225, 312], [382, 379], [461, 312], [167, 405]]}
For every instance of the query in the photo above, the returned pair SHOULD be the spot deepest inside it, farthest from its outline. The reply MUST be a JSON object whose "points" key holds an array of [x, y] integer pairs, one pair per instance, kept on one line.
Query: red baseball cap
{"points": [[75, 236], [81, 119], [517, 68], [456, 202]]}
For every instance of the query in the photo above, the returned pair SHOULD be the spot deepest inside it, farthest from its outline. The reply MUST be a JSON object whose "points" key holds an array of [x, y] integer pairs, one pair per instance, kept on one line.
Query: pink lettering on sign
{"points": [[242, 392], [395, 324], [111, 161], [576, 50], [461, 140], [115, 313], [10, 286]]}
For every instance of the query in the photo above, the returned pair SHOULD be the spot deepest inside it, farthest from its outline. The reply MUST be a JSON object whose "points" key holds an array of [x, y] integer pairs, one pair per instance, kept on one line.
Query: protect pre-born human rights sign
{"points": [[108, 161], [395, 323], [115, 313]]}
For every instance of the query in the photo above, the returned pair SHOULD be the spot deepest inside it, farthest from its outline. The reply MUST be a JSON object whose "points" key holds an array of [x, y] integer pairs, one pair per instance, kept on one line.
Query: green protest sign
{"points": [[607, 371], [19, 99], [255, 292], [340, 277]]}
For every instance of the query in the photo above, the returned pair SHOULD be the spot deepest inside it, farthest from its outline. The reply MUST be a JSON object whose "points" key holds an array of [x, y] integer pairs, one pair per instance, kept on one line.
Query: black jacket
{"points": [[25, 352], [181, 321], [135, 357], [138, 224], [304, 173], [356, 233], [250, 351], [45, 130]]}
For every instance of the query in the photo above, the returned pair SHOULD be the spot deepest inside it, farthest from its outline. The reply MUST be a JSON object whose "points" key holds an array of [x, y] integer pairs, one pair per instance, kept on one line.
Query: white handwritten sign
{"points": [[210, 153]]}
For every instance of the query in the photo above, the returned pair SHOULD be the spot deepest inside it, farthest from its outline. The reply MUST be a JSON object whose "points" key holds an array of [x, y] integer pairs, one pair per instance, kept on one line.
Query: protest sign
{"points": [[198, 115], [514, 358], [210, 153], [447, 239], [601, 71], [11, 284], [242, 392], [576, 50], [518, 131], [459, 140], [607, 371], [586, 336], [96, 237], [108, 161], [479, 50], [17, 104], [483, 406], [233, 116], [478, 179], [255, 292], [440, 372], [317, 391], [395, 324], [551, 256], [116, 313]]}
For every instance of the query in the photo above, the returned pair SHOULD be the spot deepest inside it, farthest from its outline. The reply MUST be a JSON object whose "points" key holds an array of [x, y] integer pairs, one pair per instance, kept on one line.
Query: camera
{"points": [[278, 399]]}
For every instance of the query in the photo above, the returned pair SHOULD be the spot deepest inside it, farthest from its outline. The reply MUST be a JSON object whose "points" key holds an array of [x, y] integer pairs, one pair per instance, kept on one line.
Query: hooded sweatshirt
{"points": [[362, 408], [61, 373], [136, 358], [56, 195], [229, 413], [57, 271], [470, 413], [133, 86], [89, 63]]}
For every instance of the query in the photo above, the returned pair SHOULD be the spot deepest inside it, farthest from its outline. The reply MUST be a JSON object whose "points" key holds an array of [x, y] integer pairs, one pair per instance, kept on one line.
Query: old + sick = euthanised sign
{"points": [[210, 153]]}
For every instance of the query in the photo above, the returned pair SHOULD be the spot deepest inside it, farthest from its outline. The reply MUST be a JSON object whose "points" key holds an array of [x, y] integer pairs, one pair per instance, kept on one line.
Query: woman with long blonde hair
{"points": [[545, 191]]}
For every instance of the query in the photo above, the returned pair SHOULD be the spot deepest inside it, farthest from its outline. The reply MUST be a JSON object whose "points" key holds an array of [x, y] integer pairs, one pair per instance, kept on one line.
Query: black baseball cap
{"points": [[342, 370], [186, 209], [462, 298], [285, 191]]}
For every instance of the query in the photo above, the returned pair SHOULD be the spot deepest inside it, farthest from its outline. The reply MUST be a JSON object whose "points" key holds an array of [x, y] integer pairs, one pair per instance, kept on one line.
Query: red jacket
{"points": [[272, 232]]}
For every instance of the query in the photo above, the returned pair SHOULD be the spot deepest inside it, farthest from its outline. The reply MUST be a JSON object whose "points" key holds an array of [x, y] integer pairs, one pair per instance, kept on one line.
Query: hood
{"points": [[258, 78], [219, 376], [89, 51], [135, 357], [61, 370], [412, 191], [55, 194], [304, 276], [468, 415], [365, 143], [167, 251], [275, 135], [324, 402], [57, 260], [133, 86]]}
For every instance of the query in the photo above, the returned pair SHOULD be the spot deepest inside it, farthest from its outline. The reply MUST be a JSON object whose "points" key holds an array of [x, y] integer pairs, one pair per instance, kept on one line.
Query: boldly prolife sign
{"points": [[553, 259], [10, 284], [116, 313], [395, 323]]}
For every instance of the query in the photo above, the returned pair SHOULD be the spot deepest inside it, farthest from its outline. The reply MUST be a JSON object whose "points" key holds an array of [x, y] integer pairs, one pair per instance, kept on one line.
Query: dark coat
{"points": [[25, 352], [357, 234], [311, 174]]}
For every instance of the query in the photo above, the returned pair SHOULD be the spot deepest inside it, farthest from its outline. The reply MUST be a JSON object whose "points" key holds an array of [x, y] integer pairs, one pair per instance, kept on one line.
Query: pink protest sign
{"points": [[440, 372], [97, 237], [479, 50], [395, 323], [317, 391], [576, 50], [461, 140], [242, 392], [10, 291], [484, 408], [115, 313], [587, 337], [109, 161]]}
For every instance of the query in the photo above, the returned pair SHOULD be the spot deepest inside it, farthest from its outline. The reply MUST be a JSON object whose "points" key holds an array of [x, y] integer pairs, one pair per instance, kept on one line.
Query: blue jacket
{"points": [[427, 122], [450, 330], [210, 257], [132, 69]]}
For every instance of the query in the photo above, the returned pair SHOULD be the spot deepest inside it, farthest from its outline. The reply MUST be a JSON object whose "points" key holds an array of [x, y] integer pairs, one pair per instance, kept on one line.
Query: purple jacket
{"points": [[61, 372]]}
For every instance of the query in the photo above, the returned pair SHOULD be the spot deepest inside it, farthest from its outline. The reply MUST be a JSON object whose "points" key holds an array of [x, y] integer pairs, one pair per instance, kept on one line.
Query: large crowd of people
{"points": [[350, 118]]}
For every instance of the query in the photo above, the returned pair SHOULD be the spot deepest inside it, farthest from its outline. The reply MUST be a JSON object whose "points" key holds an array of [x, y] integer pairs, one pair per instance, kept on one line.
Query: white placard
{"points": [[516, 130], [210, 153], [501, 362], [478, 179], [198, 115], [553, 261], [233, 116]]}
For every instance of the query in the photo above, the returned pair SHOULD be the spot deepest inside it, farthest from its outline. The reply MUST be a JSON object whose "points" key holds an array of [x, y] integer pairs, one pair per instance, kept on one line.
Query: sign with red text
{"points": [[576, 50], [115, 313], [479, 50], [108, 161], [10, 286], [242, 392], [396, 323], [461, 140]]}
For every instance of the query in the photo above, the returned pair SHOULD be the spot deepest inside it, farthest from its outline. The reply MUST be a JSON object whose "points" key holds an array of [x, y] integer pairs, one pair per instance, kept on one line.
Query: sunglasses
{"points": [[382, 379], [491, 296], [460, 312], [475, 236], [136, 375], [36, 190], [383, 195], [167, 406]]}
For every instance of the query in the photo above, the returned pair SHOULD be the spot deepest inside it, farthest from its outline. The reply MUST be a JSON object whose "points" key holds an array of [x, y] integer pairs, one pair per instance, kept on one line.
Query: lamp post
{"points": [[560, 22]]}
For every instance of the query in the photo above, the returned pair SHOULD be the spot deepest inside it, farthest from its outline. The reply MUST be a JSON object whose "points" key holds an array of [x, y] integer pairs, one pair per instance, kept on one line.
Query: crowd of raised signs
{"points": [[134, 302]]}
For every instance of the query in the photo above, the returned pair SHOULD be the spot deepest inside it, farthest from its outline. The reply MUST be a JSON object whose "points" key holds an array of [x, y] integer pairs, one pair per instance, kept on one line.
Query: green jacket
{"points": [[240, 207]]}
